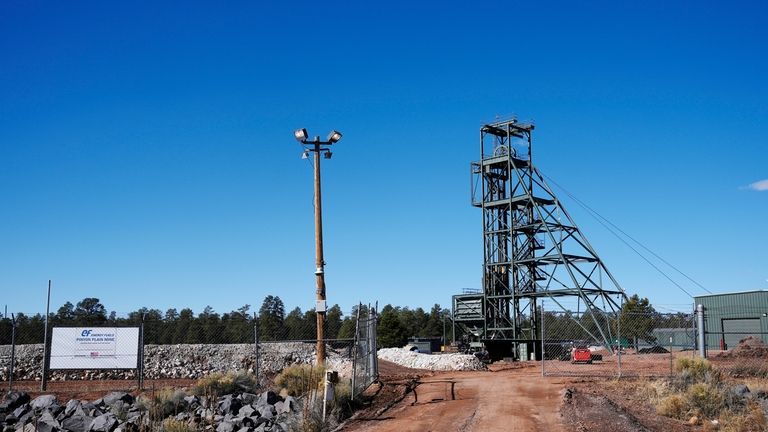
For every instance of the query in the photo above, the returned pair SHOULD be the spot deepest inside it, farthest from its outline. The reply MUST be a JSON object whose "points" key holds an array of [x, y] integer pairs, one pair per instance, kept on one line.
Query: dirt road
{"points": [[517, 399]]}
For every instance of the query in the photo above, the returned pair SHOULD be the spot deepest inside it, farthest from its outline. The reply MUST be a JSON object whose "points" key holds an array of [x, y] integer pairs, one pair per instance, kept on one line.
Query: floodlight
{"points": [[328, 154], [334, 136], [300, 134]]}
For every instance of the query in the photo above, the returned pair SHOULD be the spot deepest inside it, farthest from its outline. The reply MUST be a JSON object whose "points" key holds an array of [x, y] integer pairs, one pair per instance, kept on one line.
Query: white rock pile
{"points": [[435, 362]]}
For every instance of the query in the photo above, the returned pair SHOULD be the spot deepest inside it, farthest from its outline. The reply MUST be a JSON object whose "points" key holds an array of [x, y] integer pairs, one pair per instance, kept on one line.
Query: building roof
{"points": [[731, 293]]}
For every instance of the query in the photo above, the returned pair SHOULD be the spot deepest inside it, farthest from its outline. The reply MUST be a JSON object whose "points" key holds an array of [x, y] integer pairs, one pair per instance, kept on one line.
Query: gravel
{"points": [[435, 362], [190, 361]]}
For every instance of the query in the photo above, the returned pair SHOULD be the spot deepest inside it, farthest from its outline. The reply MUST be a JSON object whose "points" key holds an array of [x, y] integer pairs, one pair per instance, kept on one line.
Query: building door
{"points": [[738, 329]]}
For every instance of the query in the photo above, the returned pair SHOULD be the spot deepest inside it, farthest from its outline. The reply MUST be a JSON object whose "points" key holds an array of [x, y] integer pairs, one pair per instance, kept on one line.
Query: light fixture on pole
{"points": [[316, 146]]}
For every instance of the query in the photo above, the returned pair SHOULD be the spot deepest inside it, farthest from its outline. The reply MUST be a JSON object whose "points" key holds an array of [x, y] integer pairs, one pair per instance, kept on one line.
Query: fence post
{"points": [[46, 343], [543, 336], [700, 330], [256, 342], [355, 350], [13, 352], [140, 371], [618, 339], [374, 334]]}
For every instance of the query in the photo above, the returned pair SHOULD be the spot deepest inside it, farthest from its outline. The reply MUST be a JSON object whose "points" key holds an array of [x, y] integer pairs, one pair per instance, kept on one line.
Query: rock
{"points": [[740, 390], [266, 412], [192, 401], [47, 419], [281, 407], [415, 360], [43, 401], [113, 397], [13, 400], [246, 411], [693, 420], [45, 427], [72, 405], [77, 423], [290, 402], [20, 411], [248, 398], [268, 398], [103, 423], [229, 405], [225, 426], [29, 427]]}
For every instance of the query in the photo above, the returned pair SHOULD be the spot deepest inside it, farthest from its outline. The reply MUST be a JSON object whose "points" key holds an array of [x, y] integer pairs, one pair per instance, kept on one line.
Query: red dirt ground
{"points": [[507, 397]]}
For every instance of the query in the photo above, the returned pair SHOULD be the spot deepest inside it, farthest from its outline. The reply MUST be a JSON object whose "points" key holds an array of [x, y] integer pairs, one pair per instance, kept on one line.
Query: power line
{"points": [[600, 218]]}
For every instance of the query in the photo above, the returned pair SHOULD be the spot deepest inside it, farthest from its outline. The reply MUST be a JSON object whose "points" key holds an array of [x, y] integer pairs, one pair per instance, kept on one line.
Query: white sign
{"points": [[94, 348]]}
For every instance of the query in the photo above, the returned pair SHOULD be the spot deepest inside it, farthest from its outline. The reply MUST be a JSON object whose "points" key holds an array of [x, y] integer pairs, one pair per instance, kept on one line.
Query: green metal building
{"points": [[731, 317]]}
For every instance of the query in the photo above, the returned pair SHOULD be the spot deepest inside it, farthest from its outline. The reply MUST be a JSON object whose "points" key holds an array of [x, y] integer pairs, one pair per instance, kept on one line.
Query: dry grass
{"points": [[171, 425], [299, 380], [698, 390], [217, 384]]}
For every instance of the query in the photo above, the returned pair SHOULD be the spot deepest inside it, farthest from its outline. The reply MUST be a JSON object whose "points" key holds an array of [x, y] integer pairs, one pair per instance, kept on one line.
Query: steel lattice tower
{"points": [[532, 247]]}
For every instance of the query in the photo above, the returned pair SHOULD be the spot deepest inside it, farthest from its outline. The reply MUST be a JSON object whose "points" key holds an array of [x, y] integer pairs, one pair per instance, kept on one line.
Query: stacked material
{"points": [[435, 362]]}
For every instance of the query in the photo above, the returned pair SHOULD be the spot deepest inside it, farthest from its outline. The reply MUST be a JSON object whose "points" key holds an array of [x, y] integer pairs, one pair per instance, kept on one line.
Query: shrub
{"points": [[751, 419], [299, 380], [674, 406], [695, 368], [164, 403], [172, 425], [705, 400], [220, 384]]}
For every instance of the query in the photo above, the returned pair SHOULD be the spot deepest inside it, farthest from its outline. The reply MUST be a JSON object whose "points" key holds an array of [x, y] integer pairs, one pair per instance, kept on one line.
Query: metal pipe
{"points": [[700, 330]]}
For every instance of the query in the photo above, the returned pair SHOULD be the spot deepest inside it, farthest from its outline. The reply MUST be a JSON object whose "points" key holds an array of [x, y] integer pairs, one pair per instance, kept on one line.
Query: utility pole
{"points": [[316, 146]]}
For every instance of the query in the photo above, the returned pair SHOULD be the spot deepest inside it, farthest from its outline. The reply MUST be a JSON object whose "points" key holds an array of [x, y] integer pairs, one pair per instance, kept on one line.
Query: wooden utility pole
{"points": [[319, 262]]}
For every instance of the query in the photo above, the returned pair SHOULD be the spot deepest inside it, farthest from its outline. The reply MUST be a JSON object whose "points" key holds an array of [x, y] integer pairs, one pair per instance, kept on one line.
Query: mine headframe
{"points": [[532, 249]]}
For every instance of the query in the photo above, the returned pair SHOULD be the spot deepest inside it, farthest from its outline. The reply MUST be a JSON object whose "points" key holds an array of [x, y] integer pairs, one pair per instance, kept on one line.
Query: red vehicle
{"points": [[581, 355]]}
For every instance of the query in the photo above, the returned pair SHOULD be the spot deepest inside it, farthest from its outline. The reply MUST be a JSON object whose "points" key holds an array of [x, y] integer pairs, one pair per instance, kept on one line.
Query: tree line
{"points": [[271, 323]]}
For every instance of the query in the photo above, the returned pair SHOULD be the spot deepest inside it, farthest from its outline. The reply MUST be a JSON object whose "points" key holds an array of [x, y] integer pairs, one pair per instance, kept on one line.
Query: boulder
{"points": [[740, 390], [225, 426], [46, 418], [77, 423], [229, 405], [20, 411], [248, 398], [246, 411], [268, 398], [104, 423], [71, 407], [282, 407], [113, 397], [13, 400], [43, 401]]}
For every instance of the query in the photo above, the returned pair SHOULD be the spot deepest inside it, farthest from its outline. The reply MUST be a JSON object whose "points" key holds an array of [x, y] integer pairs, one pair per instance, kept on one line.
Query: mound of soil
{"points": [[749, 347], [653, 350]]}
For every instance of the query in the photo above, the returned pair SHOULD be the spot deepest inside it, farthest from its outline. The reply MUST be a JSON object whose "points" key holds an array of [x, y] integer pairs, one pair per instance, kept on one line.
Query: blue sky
{"points": [[147, 157]]}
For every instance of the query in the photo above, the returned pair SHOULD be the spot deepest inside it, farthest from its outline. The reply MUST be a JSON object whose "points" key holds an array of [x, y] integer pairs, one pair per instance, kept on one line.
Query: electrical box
{"points": [[320, 306]]}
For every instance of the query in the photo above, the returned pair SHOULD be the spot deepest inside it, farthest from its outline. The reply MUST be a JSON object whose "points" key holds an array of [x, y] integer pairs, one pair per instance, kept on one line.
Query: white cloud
{"points": [[759, 186]]}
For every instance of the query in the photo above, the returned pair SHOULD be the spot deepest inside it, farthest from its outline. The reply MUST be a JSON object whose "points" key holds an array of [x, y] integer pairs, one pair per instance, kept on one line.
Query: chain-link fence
{"points": [[736, 338], [183, 348], [615, 344], [365, 369]]}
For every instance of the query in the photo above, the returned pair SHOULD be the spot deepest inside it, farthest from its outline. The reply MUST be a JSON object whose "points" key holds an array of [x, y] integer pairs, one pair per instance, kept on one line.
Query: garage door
{"points": [[740, 328]]}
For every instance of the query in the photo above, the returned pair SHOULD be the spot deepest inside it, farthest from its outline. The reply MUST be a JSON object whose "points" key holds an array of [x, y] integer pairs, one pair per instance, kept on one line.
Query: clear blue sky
{"points": [[147, 156]]}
